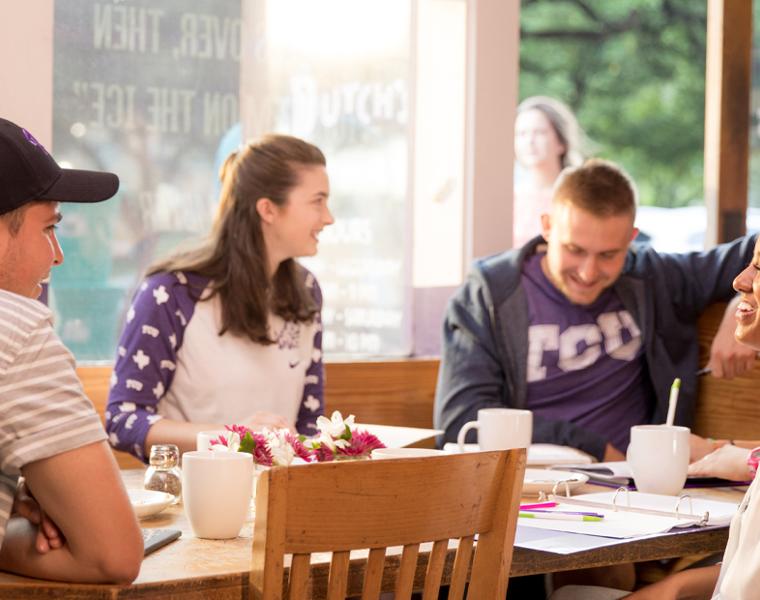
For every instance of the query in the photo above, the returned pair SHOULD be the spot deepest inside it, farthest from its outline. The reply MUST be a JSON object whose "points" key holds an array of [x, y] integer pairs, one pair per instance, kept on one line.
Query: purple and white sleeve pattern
{"points": [[312, 403], [147, 357]]}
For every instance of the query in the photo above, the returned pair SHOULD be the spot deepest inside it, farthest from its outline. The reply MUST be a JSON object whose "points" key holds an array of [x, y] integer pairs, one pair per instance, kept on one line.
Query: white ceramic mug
{"points": [[500, 429], [216, 492], [203, 439], [381, 453], [658, 457]]}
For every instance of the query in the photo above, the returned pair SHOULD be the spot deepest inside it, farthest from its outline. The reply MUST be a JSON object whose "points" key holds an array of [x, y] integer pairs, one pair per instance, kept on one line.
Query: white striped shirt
{"points": [[43, 409]]}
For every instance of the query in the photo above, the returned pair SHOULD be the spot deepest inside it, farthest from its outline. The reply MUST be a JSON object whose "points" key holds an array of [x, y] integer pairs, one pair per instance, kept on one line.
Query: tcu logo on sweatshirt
{"points": [[579, 346]]}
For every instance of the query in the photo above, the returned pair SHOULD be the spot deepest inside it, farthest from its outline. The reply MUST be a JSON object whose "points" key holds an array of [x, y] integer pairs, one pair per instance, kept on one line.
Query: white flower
{"points": [[233, 443], [282, 452], [335, 426]]}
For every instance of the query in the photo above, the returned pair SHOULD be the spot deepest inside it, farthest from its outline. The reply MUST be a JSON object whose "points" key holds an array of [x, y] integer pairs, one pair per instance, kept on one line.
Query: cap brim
{"points": [[75, 185]]}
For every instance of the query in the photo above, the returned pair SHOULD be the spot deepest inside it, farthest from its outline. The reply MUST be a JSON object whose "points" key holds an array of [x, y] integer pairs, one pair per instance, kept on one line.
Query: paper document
{"points": [[623, 523], [539, 454], [398, 437], [560, 542]]}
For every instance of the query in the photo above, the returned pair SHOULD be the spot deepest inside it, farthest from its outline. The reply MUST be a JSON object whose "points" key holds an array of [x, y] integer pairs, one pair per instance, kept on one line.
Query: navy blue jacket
{"points": [[485, 334]]}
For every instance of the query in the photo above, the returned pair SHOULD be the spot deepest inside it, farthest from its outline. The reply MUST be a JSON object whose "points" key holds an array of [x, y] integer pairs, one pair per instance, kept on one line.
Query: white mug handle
{"points": [[463, 432]]}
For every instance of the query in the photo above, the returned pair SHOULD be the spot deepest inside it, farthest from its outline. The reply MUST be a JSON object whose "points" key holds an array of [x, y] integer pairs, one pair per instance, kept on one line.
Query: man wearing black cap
{"points": [[70, 519]]}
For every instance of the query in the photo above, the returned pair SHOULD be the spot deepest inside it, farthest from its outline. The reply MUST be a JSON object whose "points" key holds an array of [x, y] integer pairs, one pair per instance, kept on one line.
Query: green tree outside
{"points": [[634, 73]]}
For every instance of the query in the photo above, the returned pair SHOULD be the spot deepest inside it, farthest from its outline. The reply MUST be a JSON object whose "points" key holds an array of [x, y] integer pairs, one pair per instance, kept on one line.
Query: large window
{"points": [[634, 74], [161, 92]]}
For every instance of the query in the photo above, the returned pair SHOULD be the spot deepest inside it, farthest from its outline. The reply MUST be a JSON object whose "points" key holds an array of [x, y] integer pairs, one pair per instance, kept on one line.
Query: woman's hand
{"points": [[700, 447], [262, 419], [727, 462], [48, 535]]}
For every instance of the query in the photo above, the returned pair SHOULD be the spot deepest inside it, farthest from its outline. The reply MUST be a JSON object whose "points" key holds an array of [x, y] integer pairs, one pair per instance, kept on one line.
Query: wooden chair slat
{"points": [[267, 563], [493, 552], [461, 567], [338, 579], [298, 584], [435, 570], [373, 574], [405, 581]]}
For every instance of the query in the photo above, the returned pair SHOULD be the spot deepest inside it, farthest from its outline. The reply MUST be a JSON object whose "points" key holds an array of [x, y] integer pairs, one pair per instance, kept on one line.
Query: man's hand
{"points": [[728, 462], [612, 454], [48, 535], [729, 358]]}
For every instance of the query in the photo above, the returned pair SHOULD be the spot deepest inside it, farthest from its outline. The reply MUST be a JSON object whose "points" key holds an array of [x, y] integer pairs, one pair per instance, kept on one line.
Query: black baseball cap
{"points": [[28, 172]]}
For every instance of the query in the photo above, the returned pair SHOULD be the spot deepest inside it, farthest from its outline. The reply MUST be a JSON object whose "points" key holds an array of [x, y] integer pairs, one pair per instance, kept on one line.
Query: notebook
{"points": [[618, 474]]}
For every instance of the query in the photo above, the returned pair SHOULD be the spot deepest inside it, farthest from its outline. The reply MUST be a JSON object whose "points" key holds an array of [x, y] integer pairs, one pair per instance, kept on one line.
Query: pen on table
{"points": [[557, 516], [673, 400], [562, 512], [539, 505], [703, 371]]}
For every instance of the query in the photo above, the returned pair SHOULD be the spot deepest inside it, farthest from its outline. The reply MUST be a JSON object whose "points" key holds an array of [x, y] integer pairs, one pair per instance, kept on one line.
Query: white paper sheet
{"points": [[398, 437], [625, 524], [539, 454], [560, 542]]}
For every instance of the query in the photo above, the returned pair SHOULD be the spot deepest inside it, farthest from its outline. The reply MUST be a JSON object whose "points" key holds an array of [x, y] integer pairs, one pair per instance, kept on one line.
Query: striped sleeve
{"points": [[43, 409]]}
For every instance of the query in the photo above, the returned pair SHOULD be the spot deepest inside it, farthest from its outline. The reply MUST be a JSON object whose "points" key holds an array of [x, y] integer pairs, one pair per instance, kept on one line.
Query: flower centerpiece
{"points": [[338, 439]]}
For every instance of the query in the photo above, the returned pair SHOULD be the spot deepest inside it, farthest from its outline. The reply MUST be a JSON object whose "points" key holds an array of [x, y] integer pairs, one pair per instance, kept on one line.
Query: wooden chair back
{"points": [[342, 506], [726, 408]]}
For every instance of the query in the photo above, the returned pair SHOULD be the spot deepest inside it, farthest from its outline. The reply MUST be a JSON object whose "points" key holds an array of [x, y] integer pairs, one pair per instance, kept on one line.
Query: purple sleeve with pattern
{"points": [[312, 402], [146, 358]]}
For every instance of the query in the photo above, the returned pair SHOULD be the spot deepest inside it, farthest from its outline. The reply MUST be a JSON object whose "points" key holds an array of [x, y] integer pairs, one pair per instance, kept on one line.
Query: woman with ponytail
{"points": [[230, 331]]}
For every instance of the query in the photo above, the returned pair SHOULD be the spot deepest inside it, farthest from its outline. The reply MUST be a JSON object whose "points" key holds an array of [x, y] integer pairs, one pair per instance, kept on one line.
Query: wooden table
{"points": [[191, 568]]}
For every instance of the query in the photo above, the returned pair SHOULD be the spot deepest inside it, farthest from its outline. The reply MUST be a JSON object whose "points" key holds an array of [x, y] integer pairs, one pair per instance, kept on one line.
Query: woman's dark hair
{"points": [[234, 257]]}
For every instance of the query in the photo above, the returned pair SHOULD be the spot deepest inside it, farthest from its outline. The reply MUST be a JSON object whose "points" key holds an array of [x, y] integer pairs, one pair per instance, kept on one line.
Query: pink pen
{"points": [[539, 505]]}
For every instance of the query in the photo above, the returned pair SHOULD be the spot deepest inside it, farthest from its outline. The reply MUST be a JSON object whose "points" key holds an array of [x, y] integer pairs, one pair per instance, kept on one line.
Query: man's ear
{"points": [[546, 225], [635, 233], [267, 210]]}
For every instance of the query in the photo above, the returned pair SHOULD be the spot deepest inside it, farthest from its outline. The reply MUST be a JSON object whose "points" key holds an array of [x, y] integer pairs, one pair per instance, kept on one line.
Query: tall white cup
{"points": [[500, 429], [203, 438], [216, 492], [658, 457]]}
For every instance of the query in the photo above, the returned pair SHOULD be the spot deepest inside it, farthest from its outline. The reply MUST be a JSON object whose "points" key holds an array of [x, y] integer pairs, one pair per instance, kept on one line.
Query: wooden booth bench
{"points": [[401, 392], [726, 409]]}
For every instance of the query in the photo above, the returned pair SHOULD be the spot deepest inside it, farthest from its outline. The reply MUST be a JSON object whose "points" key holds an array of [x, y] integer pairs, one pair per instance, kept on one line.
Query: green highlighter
{"points": [[559, 516]]}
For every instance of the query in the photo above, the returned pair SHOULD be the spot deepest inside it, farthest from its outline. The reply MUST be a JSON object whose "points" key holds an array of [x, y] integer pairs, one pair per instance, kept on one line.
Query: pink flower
{"points": [[362, 443], [241, 430], [300, 450], [250, 441], [322, 453], [261, 453]]}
